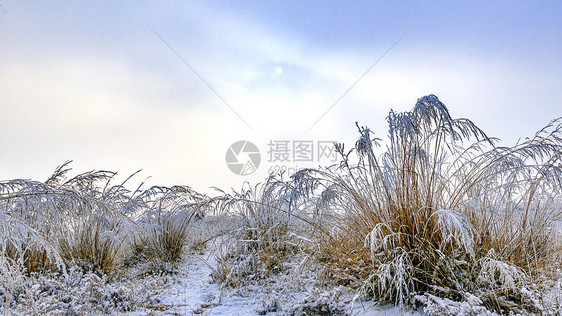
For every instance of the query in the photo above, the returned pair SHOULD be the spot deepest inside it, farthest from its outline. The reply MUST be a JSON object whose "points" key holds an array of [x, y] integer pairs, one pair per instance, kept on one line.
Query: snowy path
{"points": [[195, 294]]}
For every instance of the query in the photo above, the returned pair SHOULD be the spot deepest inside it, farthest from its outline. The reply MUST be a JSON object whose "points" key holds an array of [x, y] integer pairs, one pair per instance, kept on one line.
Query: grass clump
{"points": [[88, 222], [434, 215], [266, 234], [93, 246], [53, 220], [165, 226]]}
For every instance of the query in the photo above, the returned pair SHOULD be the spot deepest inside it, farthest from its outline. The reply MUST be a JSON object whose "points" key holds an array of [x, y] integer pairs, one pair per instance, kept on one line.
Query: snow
{"points": [[189, 289], [195, 293], [442, 306]]}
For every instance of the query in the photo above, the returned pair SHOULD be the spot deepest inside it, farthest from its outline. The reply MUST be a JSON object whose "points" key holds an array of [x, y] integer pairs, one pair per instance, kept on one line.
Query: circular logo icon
{"points": [[243, 158]]}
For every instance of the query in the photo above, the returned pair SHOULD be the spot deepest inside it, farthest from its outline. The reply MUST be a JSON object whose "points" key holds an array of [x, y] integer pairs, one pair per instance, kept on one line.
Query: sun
{"points": [[279, 70]]}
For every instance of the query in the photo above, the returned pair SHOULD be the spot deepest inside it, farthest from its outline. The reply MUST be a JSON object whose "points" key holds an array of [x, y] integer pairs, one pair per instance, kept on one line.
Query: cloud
{"points": [[99, 87]]}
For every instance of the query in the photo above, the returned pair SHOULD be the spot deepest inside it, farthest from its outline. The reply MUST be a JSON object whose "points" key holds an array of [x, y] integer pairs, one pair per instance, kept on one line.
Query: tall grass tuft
{"points": [[164, 226], [269, 223], [92, 245], [442, 210], [63, 221]]}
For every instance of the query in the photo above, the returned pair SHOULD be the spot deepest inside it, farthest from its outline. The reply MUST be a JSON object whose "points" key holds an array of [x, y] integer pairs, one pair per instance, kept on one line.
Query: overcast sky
{"points": [[91, 82]]}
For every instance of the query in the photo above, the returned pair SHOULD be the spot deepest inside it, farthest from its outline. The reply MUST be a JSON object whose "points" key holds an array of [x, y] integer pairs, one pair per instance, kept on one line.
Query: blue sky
{"points": [[89, 81]]}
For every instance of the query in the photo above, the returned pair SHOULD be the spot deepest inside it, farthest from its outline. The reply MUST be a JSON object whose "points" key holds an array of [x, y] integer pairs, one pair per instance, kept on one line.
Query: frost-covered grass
{"points": [[87, 223], [265, 236], [442, 211], [440, 220]]}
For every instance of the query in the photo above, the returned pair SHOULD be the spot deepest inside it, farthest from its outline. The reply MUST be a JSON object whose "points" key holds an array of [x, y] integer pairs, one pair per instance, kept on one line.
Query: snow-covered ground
{"points": [[193, 292], [190, 289]]}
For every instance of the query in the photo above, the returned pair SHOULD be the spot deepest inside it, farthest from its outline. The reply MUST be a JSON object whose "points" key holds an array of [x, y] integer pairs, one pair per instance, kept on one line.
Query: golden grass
{"points": [[433, 215]]}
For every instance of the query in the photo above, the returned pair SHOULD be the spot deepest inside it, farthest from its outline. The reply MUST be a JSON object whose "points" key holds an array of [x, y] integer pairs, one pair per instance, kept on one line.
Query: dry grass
{"points": [[164, 227], [89, 222], [163, 242], [266, 235], [62, 221], [93, 245], [433, 215], [442, 211]]}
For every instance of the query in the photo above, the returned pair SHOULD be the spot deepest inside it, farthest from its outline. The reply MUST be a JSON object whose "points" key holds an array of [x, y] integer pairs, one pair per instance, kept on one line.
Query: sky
{"points": [[169, 86]]}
